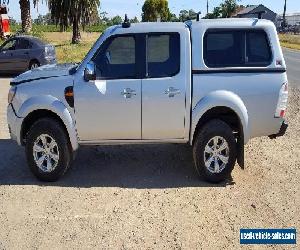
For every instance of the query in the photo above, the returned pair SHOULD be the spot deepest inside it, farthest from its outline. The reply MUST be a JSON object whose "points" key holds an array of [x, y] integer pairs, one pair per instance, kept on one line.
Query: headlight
{"points": [[11, 94]]}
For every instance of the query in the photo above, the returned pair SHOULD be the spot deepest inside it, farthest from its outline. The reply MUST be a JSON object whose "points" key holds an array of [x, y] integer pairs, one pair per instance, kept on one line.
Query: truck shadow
{"points": [[137, 166], [9, 75]]}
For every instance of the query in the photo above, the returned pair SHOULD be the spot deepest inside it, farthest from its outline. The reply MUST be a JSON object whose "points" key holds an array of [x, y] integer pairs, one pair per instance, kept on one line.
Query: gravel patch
{"points": [[148, 197]]}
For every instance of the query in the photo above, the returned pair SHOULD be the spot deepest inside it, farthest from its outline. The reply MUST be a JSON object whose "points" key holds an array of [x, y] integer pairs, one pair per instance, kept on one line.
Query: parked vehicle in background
{"points": [[213, 84], [4, 22], [22, 53]]}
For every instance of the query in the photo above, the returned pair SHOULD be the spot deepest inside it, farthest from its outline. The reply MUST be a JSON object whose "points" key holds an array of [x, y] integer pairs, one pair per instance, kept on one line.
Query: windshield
{"points": [[9, 45], [73, 69]]}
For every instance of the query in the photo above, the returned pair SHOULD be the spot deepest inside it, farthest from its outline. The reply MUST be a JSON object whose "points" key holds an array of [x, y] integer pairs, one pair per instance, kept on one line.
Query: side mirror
{"points": [[90, 72]]}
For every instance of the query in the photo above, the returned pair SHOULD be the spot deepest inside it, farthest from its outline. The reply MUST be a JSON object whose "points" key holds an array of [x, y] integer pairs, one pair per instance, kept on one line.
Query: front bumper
{"points": [[48, 60], [14, 124], [281, 132]]}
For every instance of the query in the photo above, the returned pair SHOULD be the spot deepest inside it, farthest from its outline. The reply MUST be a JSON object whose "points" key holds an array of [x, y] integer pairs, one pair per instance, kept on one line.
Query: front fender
{"points": [[54, 105], [221, 98]]}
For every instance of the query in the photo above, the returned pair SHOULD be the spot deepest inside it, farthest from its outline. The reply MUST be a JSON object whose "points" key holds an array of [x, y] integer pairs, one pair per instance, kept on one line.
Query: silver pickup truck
{"points": [[213, 84]]}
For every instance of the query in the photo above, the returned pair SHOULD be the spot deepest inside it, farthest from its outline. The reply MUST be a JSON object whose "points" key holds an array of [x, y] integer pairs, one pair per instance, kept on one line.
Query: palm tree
{"points": [[25, 15], [72, 12], [284, 13]]}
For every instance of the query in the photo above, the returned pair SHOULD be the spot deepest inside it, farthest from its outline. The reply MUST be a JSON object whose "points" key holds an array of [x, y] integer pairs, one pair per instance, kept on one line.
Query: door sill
{"points": [[126, 142]]}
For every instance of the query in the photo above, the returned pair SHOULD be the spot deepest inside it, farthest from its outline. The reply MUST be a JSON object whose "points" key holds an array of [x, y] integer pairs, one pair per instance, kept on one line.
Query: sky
{"points": [[133, 7]]}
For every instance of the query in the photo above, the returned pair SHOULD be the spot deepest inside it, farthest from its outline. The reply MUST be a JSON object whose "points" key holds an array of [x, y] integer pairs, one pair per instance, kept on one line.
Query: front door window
{"points": [[117, 60]]}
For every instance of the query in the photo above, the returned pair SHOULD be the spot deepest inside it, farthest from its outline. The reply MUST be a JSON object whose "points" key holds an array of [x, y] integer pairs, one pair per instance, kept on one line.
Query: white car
{"points": [[213, 84]]}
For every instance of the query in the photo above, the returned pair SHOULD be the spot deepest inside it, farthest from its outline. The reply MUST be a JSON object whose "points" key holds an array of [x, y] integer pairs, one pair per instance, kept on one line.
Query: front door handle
{"points": [[171, 92], [128, 93]]}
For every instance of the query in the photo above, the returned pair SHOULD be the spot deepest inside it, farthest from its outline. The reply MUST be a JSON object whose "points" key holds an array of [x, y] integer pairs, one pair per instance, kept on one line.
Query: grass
{"points": [[290, 41], [67, 52]]}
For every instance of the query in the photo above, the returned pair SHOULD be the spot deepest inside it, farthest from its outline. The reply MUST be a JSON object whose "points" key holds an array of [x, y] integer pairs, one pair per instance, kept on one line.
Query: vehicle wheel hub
{"points": [[46, 153], [216, 154]]}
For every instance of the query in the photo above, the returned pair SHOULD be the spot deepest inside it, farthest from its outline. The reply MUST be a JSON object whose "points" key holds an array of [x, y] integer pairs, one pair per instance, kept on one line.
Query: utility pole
{"points": [[284, 14], [207, 7]]}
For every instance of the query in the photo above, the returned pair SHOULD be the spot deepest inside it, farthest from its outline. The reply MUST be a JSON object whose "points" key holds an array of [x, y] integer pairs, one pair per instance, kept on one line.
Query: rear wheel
{"points": [[214, 151], [34, 64], [48, 149]]}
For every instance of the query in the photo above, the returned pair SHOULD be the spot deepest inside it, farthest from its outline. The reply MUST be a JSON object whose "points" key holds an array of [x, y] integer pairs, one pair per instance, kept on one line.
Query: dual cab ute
{"points": [[213, 84]]}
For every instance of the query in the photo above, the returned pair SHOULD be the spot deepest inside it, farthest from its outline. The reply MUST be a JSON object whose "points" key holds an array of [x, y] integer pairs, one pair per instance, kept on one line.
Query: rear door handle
{"points": [[171, 92], [128, 93]]}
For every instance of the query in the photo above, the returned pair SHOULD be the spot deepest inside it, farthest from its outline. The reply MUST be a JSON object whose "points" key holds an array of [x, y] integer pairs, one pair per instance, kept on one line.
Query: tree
{"points": [[116, 20], [25, 15], [134, 20], [284, 15], [43, 19], [226, 9], [39, 20], [94, 16], [185, 15], [215, 14], [174, 18], [72, 12], [155, 9]]}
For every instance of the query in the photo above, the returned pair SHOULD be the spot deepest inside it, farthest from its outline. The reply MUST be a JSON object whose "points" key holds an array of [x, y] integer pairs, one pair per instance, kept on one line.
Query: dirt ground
{"points": [[148, 197]]}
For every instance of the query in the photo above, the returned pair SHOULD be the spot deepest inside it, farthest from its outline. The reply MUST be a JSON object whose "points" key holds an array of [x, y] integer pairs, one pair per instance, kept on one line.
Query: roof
{"points": [[148, 27], [246, 10], [180, 25], [291, 14], [194, 25], [231, 23], [252, 9], [33, 39]]}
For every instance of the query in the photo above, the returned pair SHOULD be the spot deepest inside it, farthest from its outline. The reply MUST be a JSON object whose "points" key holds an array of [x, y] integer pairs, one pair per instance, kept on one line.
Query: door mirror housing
{"points": [[90, 72]]}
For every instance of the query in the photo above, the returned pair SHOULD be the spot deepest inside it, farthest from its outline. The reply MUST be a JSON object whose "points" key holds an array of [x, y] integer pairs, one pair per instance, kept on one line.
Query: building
{"points": [[292, 19], [251, 12]]}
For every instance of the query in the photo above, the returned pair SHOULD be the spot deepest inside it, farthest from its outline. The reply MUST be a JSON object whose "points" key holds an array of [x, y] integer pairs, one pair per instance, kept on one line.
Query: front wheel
{"points": [[34, 64], [48, 149], [214, 151]]}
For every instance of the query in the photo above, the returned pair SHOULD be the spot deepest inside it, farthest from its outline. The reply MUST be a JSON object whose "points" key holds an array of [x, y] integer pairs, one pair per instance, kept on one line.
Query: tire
{"points": [[215, 151], [58, 153], [34, 64]]}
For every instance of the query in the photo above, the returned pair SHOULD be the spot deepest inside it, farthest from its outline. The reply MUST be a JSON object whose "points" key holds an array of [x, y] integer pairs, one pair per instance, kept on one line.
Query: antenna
{"points": [[126, 23], [198, 16]]}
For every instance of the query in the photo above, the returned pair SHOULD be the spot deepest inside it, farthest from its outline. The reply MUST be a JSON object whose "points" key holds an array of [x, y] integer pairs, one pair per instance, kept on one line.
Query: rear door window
{"points": [[23, 44], [163, 55], [258, 49], [236, 48], [223, 49]]}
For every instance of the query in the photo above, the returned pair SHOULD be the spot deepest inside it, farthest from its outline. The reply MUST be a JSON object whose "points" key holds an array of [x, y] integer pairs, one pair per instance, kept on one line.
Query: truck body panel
{"points": [[213, 83]]}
